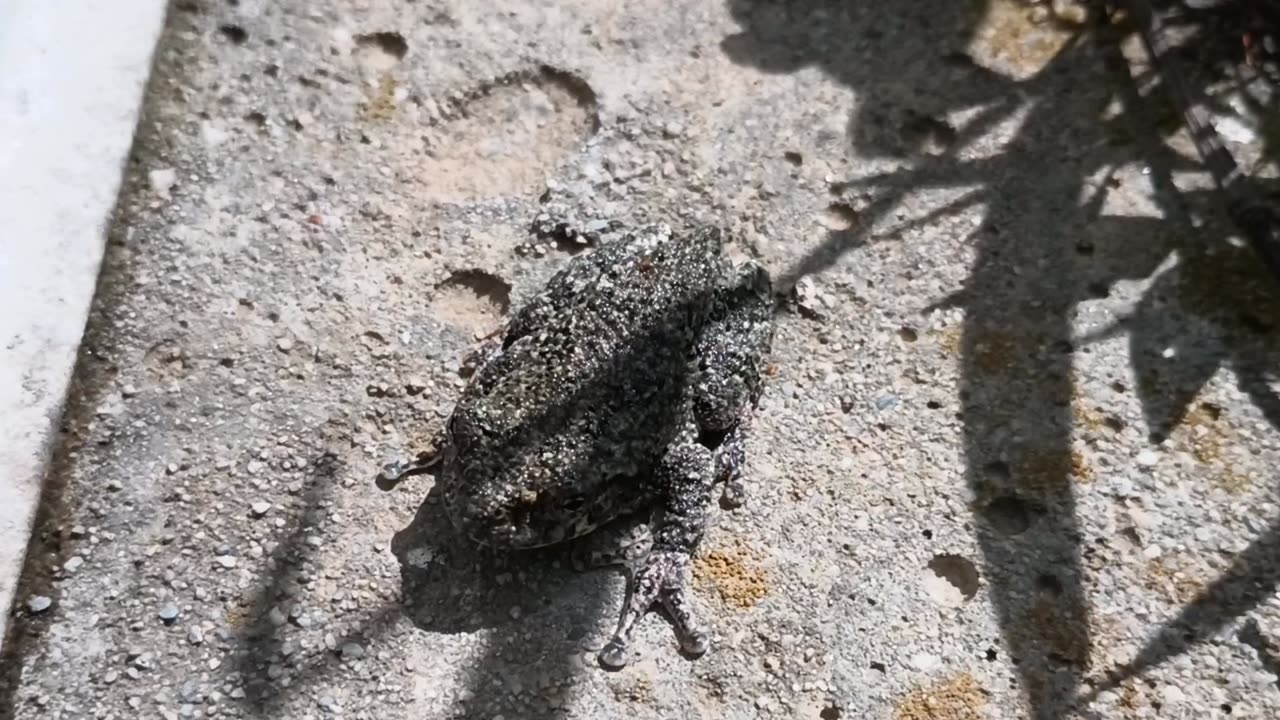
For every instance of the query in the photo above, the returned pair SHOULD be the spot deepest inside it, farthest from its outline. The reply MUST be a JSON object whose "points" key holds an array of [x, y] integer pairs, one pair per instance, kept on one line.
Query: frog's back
{"points": [[559, 432]]}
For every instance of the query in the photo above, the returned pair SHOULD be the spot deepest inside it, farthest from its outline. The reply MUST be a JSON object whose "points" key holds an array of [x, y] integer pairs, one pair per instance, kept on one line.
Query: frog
{"points": [[618, 396]]}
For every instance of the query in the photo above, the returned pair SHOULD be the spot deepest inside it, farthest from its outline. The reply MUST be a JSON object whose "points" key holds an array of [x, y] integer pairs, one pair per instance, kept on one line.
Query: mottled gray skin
{"points": [[623, 389]]}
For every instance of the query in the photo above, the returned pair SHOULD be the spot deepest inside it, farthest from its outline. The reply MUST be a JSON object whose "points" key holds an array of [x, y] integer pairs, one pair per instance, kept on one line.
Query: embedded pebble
{"points": [[352, 651], [260, 508], [38, 604], [169, 612], [925, 661], [162, 180]]}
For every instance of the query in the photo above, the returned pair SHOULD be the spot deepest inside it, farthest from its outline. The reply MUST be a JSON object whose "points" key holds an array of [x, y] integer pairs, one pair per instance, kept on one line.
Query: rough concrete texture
{"points": [[1016, 450], [70, 95]]}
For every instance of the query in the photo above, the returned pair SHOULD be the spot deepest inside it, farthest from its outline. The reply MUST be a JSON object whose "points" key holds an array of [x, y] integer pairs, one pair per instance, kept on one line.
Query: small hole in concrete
{"points": [[908, 334], [381, 50], [234, 33], [1008, 515], [951, 580], [878, 666], [793, 157], [992, 654], [472, 298], [839, 217], [933, 405]]}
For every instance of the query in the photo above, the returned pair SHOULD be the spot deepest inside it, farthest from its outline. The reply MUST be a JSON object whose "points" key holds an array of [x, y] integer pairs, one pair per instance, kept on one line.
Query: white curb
{"points": [[72, 76]]}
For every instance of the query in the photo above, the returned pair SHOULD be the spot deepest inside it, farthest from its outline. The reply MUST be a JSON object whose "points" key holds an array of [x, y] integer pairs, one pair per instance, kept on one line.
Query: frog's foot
{"points": [[397, 470], [626, 541], [684, 478], [662, 579]]}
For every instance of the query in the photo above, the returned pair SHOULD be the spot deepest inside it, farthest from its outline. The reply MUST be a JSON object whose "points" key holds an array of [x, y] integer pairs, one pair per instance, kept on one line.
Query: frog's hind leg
{"points": [[685, 479]]}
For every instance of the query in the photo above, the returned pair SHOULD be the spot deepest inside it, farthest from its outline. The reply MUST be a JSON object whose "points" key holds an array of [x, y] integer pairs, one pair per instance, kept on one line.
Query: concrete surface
{"points": [[1016, 456], [72, 75]]}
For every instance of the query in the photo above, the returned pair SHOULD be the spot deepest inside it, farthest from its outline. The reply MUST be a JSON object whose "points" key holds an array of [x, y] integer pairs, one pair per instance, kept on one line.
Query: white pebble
{"points": [[925, 661], [162, 180], [1172, 694]]}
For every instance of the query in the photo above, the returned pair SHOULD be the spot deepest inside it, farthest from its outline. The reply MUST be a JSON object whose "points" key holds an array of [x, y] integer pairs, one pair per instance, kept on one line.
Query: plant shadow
{"points": [[1046, 244]]}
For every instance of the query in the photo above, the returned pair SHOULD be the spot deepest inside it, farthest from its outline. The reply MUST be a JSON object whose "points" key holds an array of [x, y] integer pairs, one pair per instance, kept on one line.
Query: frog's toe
{"points": [[679, 606], [696, 643], [614, 655], [397, 470]]}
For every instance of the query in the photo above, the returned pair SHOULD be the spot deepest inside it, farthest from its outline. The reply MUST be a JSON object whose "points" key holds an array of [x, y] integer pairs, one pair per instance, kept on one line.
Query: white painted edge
{"points": [[72, 79]]}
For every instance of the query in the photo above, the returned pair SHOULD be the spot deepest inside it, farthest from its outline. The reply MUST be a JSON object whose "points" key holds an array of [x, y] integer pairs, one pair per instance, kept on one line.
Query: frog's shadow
{"points": [[451, 586]]}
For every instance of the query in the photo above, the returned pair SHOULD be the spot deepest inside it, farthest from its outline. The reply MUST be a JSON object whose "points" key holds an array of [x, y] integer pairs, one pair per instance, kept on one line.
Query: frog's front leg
{"points": [[397, 470], [394, 472], [684, 481]]}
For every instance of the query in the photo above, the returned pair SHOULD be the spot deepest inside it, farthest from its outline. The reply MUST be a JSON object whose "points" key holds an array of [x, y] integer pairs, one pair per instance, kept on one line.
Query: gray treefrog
{"points": [[624, 389]]}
